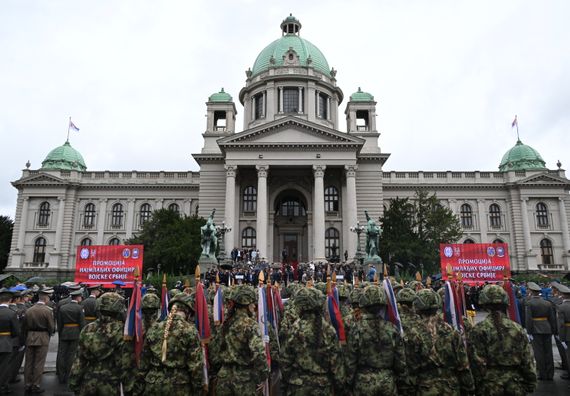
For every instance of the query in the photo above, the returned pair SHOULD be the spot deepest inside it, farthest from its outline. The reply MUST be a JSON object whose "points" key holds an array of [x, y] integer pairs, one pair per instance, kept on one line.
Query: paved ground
{"points": [[52, 386]]}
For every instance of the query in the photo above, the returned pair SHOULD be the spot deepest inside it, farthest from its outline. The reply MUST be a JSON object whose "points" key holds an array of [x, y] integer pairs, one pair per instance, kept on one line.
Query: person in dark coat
{"points": [[90, 303], [70, 322], [9, 329]]}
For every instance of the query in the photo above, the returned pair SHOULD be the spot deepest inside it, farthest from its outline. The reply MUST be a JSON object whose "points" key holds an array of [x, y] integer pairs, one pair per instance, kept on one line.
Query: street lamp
{"points": [[359, 256], [220, 233]]}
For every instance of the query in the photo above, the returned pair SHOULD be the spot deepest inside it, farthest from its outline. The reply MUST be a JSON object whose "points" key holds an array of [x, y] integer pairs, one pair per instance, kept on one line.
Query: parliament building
{"points": [[290, 180]]}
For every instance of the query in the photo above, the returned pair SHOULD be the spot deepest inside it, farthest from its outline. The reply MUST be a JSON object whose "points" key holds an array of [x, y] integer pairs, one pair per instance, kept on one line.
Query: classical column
{"points": [[350, 205], [526, 228], [230, 206], [329, 108], [482, 220], [101, 221], [300, 105], [59, 226], [130, 217], [261, 232], [564, 224], [253, 108], [319, 213], [264, 107], [159, 204], [187, 207], [280, 99], [23, 224]]}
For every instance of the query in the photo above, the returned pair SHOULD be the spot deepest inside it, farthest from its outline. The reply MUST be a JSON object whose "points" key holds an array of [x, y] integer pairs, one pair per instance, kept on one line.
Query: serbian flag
{"points": [[164, 300], [513, 312], [72, 126], [451, 310], [392, 314], [263, 322], [515, 122], [202, 324], [219, 306], [133, 324], [334, 312]]}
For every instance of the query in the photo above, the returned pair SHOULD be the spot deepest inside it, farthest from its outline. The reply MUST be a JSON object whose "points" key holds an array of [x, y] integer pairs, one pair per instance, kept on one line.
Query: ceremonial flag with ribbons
{"points": [[392, 314], [513, 311], [202, 324], [334, 310], [451, 307], [133, 329], [263, 322], [219, 305], [164, 300]]}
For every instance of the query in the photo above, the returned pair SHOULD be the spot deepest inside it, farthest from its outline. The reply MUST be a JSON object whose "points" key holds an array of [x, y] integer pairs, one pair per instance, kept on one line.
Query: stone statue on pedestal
{"points": [[373, 232], [209, 238]]}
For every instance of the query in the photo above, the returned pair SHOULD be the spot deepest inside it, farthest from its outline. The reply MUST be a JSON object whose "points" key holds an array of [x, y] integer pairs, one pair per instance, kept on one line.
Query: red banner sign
{"points": [[107, 264], [477, 262]]}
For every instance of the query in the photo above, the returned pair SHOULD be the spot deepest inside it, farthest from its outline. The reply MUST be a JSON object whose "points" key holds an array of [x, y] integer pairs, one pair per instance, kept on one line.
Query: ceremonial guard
{"points": [[70, 322], [20, 308], [541, 325], [310, 360], [237, 351], [150, 305], [500, 354], [376, 360], [40, 326], [9, 329], [90, 303], [564, 321], [105, 361]]}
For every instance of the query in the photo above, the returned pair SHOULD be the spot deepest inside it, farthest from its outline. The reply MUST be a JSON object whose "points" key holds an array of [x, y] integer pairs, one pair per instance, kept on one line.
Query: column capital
{"points": [[561, 199], [262, 170], [103, 200], [350, 170], [319, 170], [231, 170], [61, 199], [524, 199]]}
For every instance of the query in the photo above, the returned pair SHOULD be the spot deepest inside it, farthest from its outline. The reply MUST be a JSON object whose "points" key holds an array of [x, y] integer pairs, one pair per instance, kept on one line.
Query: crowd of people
{"points": [[304, 352]]}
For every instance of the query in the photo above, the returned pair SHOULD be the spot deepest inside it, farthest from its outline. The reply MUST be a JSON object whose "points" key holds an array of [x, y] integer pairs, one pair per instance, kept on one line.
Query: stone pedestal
{"points": [[207, 263]]}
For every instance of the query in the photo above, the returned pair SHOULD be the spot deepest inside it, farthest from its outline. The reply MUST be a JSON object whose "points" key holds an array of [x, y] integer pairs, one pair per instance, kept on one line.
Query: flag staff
{"points": [[68, 128]]}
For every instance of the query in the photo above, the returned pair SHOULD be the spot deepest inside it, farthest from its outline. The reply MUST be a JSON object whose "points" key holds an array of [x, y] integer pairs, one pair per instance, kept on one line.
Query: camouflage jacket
{"points": [[306, 355], [239, 344], [183, 363], [501, 359], [438, 357], [104, 360]]}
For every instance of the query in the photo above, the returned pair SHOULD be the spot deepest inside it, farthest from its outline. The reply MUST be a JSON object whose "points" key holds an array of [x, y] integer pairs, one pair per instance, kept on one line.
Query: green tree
{"points": [[6, 229], [413, 230], [171, 241]]}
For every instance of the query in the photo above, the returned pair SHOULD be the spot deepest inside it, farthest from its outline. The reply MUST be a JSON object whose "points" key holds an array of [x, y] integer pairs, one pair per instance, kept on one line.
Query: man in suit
{"points": [[564, 323], [540, 323], [40, 326], [70, 321], [90, 303], [9, 330]]}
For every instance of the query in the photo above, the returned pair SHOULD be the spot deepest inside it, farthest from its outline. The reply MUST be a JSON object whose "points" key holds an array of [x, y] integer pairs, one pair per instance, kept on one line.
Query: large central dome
{"points": [[273, 55]]}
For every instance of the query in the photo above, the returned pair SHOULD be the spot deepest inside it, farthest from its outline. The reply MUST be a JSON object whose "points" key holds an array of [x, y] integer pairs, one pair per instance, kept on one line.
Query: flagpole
{"points": [[68, 128]]}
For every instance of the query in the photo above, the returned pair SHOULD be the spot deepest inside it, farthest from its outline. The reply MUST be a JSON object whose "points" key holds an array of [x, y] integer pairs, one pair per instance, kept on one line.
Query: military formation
{"points": [[302, 355]]}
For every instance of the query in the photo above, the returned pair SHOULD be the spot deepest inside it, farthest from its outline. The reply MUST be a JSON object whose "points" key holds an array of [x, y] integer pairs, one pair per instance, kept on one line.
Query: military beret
{"points": [[533, 286], [78, 292]]}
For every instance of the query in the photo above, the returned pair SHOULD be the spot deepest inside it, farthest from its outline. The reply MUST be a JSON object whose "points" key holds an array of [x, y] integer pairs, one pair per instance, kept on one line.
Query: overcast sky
{"points": [[448, 76]]}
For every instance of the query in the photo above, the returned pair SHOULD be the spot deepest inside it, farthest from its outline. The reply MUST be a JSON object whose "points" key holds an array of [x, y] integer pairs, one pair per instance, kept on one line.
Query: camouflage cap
{"points": [[441, 292], [243, 295], [343, 291], [111, 302], [415, 285], [372, 295], [173, 292], [493, 294], [406, 295], [321, 286], [309, 299], [187, 300], [150, 301], [292, 288], [427, 299], [355, 296]]}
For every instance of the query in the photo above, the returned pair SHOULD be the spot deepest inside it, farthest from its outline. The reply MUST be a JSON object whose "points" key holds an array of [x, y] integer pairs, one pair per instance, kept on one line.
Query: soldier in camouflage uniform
{"points": [[355, 312], [440, 359], [150, 305], [376, 358], [176, 370], [343, 297], [499, 350], [291, 312], [310, 358], [237, 352], [408, 316], [104, 359]]}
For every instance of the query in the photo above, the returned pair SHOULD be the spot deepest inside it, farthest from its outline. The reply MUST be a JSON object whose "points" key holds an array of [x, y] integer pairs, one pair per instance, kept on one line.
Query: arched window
{"points": [[332, 243], [498, 241], [466, 216], [40, 250], [117, 215], [292, 208], [542, 215], [173, 207], [495, 215], [331, 199], [546, 252], [468, 240], [114, 241], [250, 199], [86, 242], [89, 215], [248, 238], [43, 218], [145, 213]]}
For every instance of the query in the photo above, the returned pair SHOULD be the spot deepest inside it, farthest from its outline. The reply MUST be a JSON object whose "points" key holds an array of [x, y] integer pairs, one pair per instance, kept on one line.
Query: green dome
{"points": [[361, 96], [521, 157], [272, 55], [220, 97], [64, 158]]}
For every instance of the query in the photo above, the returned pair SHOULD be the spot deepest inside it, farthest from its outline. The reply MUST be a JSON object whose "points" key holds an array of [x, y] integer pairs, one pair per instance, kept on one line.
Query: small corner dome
{"points": [[361, 96], [273, 54], [64, 158], [521, 157], [221, 96]]}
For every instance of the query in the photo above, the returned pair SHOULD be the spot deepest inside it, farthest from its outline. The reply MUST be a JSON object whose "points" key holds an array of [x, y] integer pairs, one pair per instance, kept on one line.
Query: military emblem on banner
{"points": [[448, 251], [501, 251], [84, 254], [491, 251], [135, 253], [126, 253]]}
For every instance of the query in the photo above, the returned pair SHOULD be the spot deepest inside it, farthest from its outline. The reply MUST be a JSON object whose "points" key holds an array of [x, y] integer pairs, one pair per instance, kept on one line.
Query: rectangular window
{"points": [[259, 110], [291, 100], [322, 110]]}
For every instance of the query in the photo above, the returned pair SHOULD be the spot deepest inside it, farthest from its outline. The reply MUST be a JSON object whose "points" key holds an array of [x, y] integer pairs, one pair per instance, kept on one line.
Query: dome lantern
{"points": [[290, 26]]}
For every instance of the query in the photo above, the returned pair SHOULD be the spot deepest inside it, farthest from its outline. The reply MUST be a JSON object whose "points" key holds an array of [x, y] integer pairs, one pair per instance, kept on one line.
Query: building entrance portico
{"points": [[290, 226]]}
